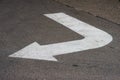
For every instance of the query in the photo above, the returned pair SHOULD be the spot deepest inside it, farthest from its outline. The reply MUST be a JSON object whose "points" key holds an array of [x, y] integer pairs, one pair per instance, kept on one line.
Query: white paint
{"points": [[93, 38]]}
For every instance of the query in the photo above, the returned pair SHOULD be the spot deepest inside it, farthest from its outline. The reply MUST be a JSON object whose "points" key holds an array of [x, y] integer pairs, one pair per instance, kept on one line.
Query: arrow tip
{"points": [[33, 51]]}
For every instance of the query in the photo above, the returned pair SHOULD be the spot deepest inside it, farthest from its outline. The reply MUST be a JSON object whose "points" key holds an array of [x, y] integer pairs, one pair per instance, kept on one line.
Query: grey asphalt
{"points": [[108, 9], [22, 22]]}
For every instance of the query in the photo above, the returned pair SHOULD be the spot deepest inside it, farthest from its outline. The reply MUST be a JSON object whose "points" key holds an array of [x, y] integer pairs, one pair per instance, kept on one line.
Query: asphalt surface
{"points": [[108, 9], [22, 22]]}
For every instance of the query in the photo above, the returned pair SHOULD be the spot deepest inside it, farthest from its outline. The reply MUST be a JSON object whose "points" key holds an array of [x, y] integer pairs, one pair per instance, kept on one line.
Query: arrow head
{"points": [[33, 51]]}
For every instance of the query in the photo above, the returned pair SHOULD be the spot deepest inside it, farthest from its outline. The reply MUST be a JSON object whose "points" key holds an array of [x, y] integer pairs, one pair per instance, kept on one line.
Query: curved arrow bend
{"points": [[93, 38]]}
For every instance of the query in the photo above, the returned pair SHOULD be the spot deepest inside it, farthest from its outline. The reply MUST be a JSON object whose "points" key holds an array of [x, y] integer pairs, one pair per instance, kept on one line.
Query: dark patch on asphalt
{"points": [[75, 65]]}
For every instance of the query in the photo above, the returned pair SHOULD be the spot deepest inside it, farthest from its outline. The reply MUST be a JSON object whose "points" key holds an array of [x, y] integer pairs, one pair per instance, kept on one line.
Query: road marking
{"points": [[93, 38]]}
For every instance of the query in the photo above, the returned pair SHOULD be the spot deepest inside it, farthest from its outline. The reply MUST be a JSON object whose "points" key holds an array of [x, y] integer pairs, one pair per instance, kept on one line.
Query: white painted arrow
{"points": [[93, 38]]}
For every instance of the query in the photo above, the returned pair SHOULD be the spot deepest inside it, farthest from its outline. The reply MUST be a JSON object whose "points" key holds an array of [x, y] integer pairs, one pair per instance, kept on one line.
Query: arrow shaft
{"points": [[93, 37]]}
